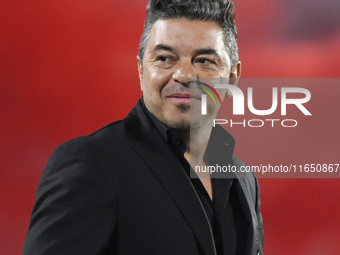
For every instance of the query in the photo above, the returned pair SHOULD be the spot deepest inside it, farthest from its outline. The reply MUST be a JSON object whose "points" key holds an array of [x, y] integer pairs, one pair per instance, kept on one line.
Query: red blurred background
{"points": [[69, 67]]}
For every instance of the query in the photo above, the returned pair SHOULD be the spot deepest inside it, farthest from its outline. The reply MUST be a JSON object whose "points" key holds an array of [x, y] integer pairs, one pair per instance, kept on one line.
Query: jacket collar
{"points": [[148, 122]]}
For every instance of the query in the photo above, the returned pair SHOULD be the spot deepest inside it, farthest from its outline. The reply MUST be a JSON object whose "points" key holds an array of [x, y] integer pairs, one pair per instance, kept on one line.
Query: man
{"points": [[126, 189]]}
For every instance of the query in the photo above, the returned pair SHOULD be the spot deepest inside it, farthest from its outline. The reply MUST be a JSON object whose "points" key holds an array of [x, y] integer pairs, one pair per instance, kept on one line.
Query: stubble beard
{"points": [[195, 122], [184, 124]]}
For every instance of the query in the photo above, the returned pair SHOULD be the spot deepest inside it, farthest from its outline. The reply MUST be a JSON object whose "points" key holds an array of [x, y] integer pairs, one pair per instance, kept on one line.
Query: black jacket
{"points": [[122, 190]]}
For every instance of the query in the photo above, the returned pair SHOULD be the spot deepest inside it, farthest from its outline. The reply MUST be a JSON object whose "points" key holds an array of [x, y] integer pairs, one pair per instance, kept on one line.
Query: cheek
{"points": [[222, 93], [155, 79]]}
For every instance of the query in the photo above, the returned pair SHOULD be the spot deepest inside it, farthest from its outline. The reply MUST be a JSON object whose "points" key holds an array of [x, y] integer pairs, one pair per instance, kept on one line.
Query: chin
{"points": [[186, 124], [181, 124], [185, 120]]}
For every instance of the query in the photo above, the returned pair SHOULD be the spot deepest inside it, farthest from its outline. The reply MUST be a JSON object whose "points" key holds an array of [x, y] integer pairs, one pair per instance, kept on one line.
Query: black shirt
{"points": [[223, 143]]}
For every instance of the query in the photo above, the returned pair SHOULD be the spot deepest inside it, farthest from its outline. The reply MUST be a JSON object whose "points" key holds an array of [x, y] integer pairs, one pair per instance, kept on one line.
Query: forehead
{"points": [[185, 34]]}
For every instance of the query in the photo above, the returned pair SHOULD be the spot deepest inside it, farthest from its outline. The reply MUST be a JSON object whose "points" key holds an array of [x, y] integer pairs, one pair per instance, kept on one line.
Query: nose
{"points": [[184, 73]]}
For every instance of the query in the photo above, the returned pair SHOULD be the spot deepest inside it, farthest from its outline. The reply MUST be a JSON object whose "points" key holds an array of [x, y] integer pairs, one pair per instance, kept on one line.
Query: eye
{"points": [[164, 61], [163, 58], [204, 61]]}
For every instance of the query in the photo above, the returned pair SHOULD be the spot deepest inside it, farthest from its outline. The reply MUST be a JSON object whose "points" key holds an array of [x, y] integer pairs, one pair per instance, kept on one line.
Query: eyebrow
{"points": [[163, 47], [207, 51]]}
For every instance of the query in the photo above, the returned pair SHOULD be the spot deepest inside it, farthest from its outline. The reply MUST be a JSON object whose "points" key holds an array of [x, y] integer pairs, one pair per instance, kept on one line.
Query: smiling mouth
{"points": [[182, 99], [183, 96]]}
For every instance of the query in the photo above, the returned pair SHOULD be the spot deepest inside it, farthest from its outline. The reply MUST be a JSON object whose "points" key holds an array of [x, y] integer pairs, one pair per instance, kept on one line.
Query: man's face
{"points": [[178, 52]]}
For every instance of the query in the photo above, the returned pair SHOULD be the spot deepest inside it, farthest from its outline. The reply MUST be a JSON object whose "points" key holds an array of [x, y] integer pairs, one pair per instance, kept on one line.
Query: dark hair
{"points": [[220, 11]]}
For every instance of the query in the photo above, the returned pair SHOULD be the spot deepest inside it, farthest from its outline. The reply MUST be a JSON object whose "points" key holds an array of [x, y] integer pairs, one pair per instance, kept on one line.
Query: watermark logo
{"points": [[204, 97], [279, 98], [238, 100]]}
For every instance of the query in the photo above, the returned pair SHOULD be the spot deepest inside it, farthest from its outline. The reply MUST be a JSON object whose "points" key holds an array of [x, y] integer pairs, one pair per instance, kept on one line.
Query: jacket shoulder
{"points": [[75, 189]]}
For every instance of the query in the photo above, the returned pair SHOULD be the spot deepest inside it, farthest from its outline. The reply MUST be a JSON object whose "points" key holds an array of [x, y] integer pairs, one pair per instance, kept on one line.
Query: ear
{"points": [[140, 72], [234, 75], [236, 71]]}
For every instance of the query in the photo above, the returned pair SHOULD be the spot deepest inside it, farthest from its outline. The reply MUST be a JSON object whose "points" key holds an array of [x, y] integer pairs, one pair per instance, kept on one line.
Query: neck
{"points": [[197, 142]]}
